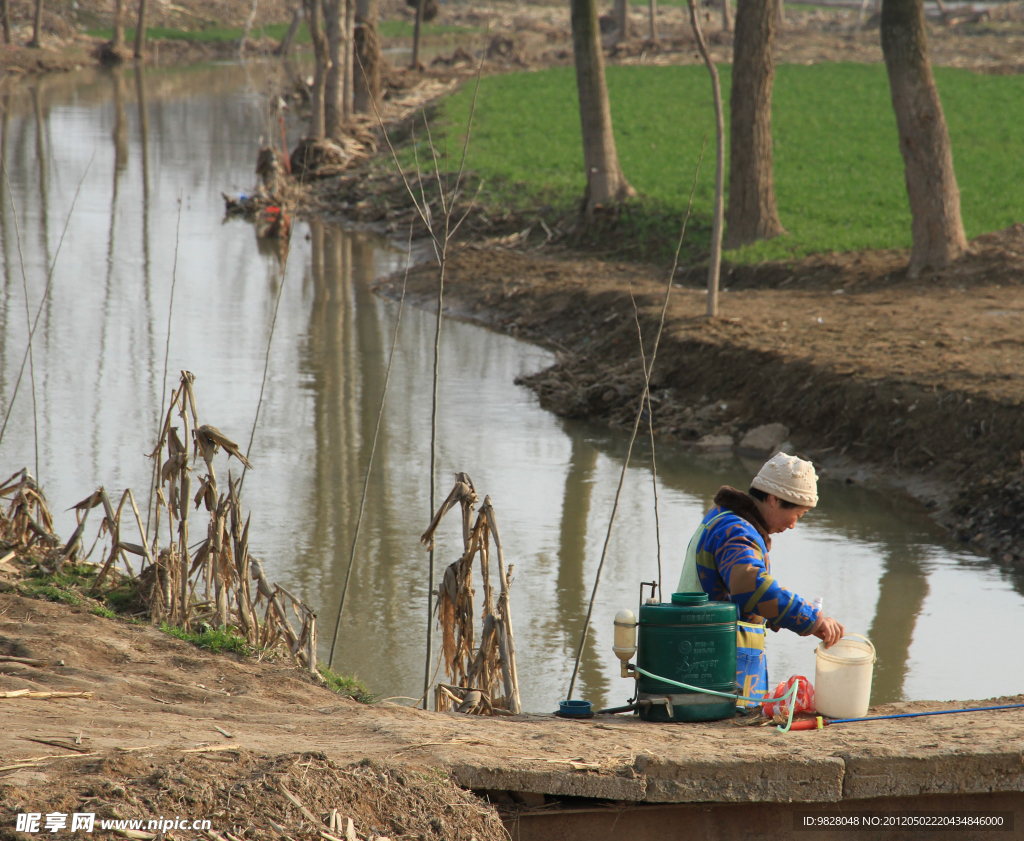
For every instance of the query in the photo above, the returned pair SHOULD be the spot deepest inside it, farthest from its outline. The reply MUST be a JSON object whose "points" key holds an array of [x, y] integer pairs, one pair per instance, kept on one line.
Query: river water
{"points": [[941, 619]]}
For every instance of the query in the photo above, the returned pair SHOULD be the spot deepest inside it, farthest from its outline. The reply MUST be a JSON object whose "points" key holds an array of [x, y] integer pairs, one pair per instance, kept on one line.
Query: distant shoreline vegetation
{"points": [[275, 31]]}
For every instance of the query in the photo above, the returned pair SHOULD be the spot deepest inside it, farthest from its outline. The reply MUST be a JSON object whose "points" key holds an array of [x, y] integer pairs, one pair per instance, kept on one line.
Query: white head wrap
{"points": [[789, 478]]}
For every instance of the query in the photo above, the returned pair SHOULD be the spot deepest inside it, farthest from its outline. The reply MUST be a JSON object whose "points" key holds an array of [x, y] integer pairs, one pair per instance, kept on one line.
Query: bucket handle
{"points": [[874, 655]]}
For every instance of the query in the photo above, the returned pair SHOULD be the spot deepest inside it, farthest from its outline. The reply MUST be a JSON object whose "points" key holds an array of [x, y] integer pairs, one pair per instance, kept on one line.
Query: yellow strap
{"points": [[749, 679], [760, 591], [689, 579], [750, 635]]}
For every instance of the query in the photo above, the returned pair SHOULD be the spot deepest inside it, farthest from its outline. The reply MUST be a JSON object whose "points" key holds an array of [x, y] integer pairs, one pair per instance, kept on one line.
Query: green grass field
{"points": [[838, 171]]}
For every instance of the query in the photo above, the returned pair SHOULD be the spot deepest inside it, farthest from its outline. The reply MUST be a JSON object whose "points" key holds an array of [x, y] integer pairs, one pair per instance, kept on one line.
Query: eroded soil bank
{"points": [[169, 730], [914, 383]]}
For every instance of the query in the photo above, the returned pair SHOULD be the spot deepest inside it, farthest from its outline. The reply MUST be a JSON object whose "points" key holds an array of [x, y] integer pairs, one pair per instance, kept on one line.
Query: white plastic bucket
{"points": [[842, 678]]}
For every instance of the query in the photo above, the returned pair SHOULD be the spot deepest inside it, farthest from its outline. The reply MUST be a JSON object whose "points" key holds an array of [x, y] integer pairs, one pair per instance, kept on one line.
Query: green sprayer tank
{"points": [[690, 640]]}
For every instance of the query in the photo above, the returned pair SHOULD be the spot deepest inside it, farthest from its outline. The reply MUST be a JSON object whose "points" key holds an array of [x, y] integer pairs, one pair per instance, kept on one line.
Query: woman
{"points": [[727, 558]]}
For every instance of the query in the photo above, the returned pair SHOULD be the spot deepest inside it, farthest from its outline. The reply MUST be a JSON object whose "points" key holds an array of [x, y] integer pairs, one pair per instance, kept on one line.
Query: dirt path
{"points": [[171, 730]]}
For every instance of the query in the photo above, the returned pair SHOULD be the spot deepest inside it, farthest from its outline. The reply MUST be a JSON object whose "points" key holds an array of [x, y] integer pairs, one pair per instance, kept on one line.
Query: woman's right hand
{"points": [[828, 630]]}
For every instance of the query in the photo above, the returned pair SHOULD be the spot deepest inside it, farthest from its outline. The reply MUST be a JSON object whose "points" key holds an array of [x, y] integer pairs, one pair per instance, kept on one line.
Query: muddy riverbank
{"points": [[912, 384], [880, 379]]}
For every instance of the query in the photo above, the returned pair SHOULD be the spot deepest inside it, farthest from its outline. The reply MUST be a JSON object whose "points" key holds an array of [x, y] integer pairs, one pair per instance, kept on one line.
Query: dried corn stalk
{"points": [[482, 678], [170, 580], [27, 522]]}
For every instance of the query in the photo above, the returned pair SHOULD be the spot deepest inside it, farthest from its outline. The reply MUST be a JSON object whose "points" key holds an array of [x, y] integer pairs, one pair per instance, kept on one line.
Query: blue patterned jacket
{"points": [[733, 565]]}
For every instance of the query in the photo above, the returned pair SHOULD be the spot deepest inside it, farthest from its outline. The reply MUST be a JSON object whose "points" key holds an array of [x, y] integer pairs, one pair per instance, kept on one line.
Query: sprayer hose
{"points": [[931, 712], [789, 693]]}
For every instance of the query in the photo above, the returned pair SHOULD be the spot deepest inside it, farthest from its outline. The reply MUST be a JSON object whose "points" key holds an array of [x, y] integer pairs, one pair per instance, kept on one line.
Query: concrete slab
{"points": [[771, 781], [950, 774]]}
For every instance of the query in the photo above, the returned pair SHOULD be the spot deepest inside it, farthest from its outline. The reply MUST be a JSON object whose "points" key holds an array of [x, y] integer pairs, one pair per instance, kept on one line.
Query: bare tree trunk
{"points": [[140, 32], [937, 230], [348, 81], [781, 13], [316, 103], [416, 36], [120, 140], [652, 12], [248, 28], [727, 15], [5, 13], [289, 37], [118, 38], [605, 181], [862, 14], [752, 213], [37, 25], [366, 82], [715, 260], [622, 20], [334, 83]]}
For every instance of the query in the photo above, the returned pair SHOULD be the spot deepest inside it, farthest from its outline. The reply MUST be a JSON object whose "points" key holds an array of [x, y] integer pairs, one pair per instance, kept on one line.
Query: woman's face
{"points": [[780, 519]]}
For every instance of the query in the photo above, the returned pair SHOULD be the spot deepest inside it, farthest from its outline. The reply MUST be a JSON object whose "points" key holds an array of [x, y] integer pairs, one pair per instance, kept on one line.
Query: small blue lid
{"points": [[574, 707]]}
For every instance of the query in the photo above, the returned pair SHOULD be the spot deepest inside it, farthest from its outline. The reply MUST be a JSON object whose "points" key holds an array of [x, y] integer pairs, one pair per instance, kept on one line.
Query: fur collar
{"points": [[744, 506]]}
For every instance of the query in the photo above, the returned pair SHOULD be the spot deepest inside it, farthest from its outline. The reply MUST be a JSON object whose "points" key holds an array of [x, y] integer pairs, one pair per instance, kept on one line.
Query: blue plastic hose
{"points": [[917, 715]]}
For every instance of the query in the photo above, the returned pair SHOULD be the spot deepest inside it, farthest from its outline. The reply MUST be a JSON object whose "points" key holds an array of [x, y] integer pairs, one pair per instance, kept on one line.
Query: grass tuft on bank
{"points": [[74, 585], [217, 640], [838, 171], [348, 686]]}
